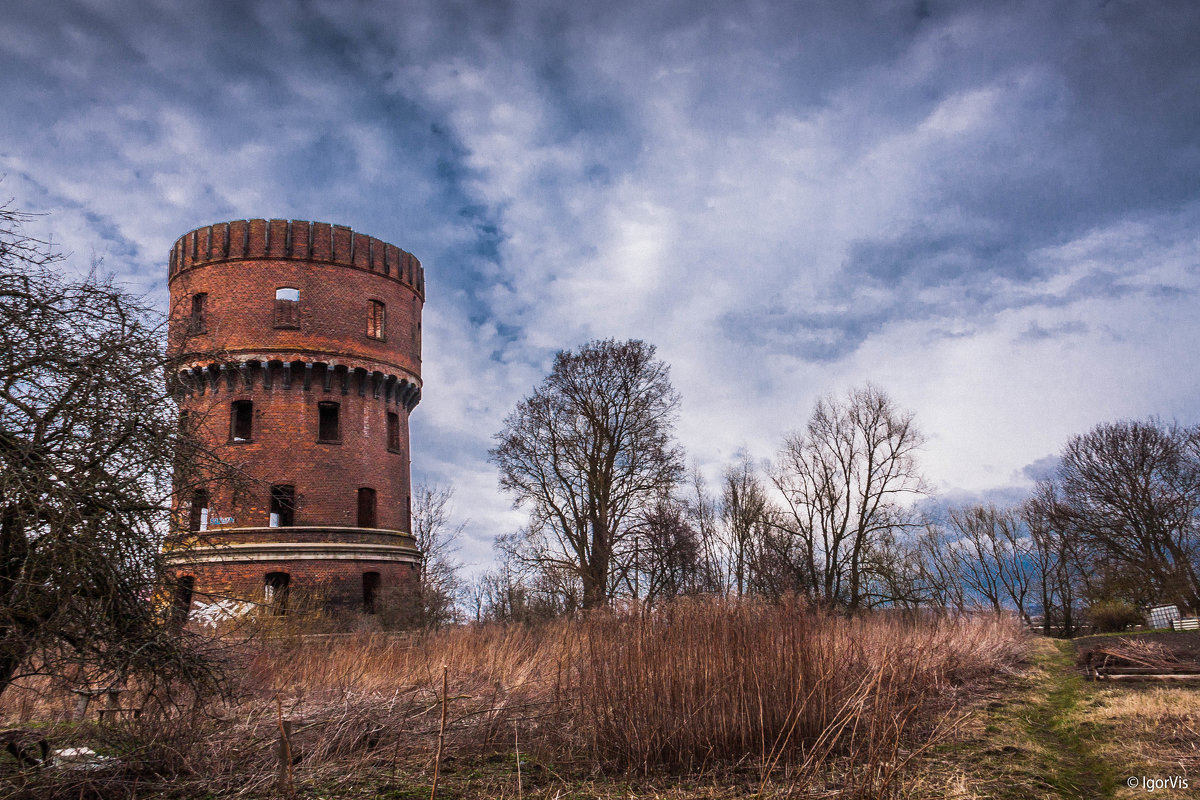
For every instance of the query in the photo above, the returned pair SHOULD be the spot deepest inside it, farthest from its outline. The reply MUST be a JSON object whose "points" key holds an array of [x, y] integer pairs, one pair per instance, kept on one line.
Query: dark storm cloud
{"points": [[1036, 332]]}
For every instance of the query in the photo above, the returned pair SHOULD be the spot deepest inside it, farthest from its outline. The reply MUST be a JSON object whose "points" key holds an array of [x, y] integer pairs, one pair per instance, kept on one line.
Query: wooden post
{"points": [[112, 704], [81, 705], [437, 762], [286, 786], [517, 750]]}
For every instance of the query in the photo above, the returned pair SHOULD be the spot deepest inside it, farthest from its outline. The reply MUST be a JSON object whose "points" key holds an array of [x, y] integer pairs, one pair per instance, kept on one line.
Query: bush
{"points": [[1111, 616]]}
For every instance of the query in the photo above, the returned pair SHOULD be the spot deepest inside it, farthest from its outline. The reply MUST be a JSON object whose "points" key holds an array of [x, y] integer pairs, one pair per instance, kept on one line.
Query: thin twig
{"points": [[437, 762], [517, 749]]}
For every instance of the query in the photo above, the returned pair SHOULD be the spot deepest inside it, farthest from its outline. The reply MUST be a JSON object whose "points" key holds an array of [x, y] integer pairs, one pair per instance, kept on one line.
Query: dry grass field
{"points": [[701, 698]]}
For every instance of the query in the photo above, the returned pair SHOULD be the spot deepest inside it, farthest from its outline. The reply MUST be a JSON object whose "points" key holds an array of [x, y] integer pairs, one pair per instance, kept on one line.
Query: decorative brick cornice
{"points": [[271, 375], [294, 551]]}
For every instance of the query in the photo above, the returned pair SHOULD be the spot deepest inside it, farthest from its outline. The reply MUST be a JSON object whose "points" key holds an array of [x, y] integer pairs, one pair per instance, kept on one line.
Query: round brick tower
{"points": [[303, 345]]}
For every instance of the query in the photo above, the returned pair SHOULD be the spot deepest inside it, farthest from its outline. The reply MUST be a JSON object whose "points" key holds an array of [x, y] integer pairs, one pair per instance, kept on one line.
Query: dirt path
{"points": [[1030, 738], [1057, 721]]}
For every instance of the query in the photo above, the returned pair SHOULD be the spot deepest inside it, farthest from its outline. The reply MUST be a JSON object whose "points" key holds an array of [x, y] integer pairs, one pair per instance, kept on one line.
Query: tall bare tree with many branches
{"points": [[432, 598], [90, 442], [590, 450], [843, 480], [1128, 494], [993, 556]]}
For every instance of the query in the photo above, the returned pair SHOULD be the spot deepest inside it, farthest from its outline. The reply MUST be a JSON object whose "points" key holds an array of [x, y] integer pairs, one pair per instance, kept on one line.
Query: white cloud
{"points": [[786, 205]]}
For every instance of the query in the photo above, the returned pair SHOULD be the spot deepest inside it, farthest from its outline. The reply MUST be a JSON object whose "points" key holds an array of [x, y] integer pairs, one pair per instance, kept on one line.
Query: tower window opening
{"points": [[370, 592], [377, 320], [393, 431], [416, 327], [287, 307], [197, 323], [366, 508], [241, 420], [275, 591], [283, 506], [198, 519], [181, 604], [329, 427]]}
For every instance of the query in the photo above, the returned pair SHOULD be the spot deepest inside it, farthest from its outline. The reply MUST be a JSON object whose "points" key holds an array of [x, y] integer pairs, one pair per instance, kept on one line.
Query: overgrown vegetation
{"points": [[1109, 616], [778, 698], [90, 441]]}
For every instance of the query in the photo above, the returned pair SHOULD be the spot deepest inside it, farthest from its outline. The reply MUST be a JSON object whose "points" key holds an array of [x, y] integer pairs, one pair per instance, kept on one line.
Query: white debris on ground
{"points": [[81, 758]]}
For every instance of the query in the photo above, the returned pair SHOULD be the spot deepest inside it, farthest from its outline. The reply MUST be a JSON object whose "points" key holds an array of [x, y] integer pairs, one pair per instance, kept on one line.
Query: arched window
{"points": [[181, 604], [370, 592], [366, 508], [198, 322], [283, 506], [393, 431], [198, 517], [329, 428], [276, 586], [287, 307], [241, 420], [376, 320]]}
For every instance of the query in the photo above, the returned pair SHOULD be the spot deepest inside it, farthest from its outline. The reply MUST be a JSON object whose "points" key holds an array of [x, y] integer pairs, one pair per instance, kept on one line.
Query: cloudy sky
{"points": [[990, 210]]}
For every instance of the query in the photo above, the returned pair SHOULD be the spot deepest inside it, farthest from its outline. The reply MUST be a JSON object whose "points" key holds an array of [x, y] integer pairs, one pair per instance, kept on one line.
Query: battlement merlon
{"points": [[281, 239]]}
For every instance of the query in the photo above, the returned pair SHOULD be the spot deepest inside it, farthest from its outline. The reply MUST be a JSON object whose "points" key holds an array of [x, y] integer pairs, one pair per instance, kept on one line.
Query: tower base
{"points": [[277, 571]]}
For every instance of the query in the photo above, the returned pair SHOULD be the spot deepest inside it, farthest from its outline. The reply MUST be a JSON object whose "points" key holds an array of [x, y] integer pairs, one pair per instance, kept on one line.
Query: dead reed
{"points": [[798, 695]]}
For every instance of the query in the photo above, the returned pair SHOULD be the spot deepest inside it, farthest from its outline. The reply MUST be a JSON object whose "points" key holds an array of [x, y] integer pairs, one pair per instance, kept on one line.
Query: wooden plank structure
{"points": [[112, 706]]}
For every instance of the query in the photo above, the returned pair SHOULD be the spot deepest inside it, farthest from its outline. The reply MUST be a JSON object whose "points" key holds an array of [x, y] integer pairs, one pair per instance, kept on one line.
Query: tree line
{"points": [[841, 515], [92, 449]]}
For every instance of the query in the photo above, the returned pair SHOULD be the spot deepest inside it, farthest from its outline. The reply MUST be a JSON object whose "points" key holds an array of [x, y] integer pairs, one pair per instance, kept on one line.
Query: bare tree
{"points": [[893, 571], [587, 452], [702, 512], [438, 585], [992, 556], [937, 569], [523, 591], [666, 558], [843, 480], [1129, 494], [776, 562], [90, 440], [1056, 562], [745, 514]]}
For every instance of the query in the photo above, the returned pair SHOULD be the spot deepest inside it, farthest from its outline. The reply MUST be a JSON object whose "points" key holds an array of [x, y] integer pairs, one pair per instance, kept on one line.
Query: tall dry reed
{"points": [[798, 694], [706, 680]]}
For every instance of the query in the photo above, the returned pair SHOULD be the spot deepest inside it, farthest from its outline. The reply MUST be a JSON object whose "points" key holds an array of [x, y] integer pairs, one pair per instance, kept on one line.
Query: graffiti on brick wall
{"points": [[212, 614]]}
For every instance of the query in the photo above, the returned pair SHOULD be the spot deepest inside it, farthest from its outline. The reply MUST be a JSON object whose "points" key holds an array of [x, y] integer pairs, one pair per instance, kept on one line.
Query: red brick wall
{"points": [[337, 584], [284, 450], [334, 298], [332, 312]]}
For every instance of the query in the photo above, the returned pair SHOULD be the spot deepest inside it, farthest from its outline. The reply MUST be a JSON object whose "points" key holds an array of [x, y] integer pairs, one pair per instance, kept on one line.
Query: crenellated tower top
{"points": [[314, 242]]}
